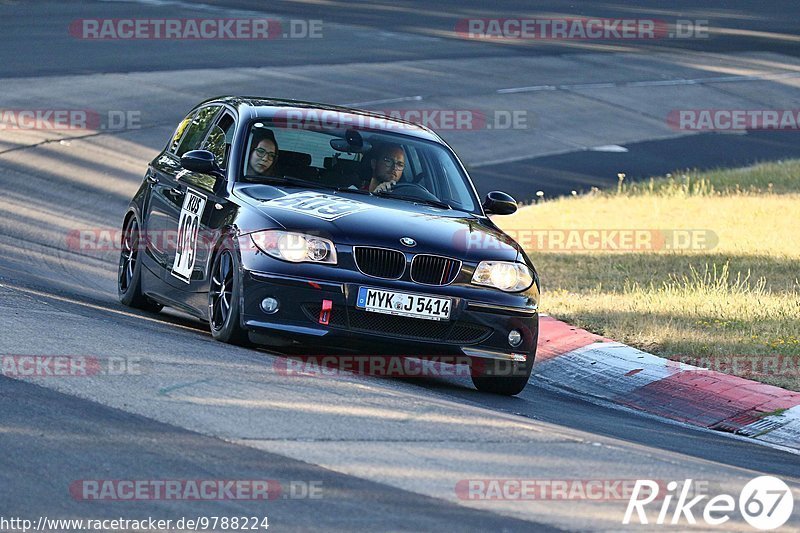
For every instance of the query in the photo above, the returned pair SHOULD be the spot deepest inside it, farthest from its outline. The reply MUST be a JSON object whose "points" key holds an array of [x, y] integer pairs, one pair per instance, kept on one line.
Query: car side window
{"points": [[219, 139], [176, 139], [197, 130], [413, 160]]}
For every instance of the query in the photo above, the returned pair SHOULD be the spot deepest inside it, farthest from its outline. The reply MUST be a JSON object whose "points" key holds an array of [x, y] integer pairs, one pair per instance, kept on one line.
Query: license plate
{"points": [[403, 304]]}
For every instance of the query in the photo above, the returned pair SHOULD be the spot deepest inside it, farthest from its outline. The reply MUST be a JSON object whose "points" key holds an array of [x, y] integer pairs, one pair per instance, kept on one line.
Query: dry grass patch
{"points": [[735, 294]]}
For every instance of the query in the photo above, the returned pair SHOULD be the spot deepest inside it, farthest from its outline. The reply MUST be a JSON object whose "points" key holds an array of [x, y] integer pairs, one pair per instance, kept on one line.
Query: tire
{"points": [[501, 377], [129, 274], [224, 310]]}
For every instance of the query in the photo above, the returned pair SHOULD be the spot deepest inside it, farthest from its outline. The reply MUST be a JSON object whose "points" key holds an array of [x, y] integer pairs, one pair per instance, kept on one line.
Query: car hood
{"points": [[355, 219]]}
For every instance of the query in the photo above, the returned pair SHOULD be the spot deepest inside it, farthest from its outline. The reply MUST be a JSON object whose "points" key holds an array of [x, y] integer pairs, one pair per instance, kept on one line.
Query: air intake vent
{"points": [[417, 329], [434, 269], [380, 262]]}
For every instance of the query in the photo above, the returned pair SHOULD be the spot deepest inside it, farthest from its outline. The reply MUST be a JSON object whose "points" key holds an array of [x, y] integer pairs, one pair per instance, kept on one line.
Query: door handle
{"points": [[151, 179], [176, 192]]}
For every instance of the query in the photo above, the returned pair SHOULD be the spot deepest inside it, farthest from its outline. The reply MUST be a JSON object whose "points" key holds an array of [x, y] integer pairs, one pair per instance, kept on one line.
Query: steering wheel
{"points": [[414, 190]]}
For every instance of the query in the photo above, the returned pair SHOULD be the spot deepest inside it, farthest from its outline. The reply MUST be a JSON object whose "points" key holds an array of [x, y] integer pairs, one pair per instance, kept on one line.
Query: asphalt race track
{"points": [[351, 453]]}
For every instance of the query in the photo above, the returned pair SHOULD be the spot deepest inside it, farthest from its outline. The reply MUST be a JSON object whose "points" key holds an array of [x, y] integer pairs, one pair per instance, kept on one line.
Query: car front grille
{"points": [[434, 269], [380, 262], [401, 327], [417, 329]]}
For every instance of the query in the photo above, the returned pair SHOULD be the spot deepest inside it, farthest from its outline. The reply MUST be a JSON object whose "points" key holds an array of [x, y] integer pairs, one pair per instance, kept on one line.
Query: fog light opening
{"points": [[269, 305], [514, 338]]}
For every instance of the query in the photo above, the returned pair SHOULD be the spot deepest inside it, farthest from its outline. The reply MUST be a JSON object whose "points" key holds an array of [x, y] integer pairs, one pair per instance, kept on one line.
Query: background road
{"points": [[577, 98], [388, 452]]}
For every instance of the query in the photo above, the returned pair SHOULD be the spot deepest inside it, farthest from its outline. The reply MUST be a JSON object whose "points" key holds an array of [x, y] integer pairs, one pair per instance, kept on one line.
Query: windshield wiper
{"points": [[425, 201], [354, 191]]}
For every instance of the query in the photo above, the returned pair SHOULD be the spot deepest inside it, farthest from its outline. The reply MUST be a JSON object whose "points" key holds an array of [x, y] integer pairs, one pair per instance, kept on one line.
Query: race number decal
{"points": [[188, 229], [319, 205]]}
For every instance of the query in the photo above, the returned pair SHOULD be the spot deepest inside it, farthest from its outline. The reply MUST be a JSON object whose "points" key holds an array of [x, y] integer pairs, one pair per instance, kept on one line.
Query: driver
{"points": [[387, 166]]}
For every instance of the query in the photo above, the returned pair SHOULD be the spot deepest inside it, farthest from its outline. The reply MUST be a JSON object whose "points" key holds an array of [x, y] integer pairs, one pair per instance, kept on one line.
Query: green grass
{"points": [[736, 295], [780, 177]]}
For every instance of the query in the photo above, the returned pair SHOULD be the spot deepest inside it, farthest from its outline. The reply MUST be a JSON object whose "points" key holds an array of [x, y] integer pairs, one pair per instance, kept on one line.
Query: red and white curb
{"points": [[589, 365]]}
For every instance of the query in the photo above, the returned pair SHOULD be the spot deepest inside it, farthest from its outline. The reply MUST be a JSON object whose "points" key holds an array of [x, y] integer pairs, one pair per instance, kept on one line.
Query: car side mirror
{"points": [[499, 203], [201, 161]]}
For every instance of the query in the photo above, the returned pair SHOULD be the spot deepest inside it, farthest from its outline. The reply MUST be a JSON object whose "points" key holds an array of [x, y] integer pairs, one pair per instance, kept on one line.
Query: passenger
{"points": [[264, 154]]}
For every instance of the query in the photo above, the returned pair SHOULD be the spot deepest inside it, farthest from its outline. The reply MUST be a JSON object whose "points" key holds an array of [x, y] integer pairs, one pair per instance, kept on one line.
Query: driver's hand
{"points": [[384, 187]]}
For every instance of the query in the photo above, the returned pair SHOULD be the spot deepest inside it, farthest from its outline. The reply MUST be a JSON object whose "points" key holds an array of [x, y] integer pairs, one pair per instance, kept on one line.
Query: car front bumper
{"points": [[476, 329]]}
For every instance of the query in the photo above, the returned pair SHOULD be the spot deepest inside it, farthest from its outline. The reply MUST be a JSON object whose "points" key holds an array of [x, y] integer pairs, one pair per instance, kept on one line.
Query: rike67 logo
{"points": [[765, 503]]}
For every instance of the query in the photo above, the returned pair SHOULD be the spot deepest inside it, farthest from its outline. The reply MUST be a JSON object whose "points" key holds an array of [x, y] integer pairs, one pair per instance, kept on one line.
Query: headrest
{"points": [[294, 159]]}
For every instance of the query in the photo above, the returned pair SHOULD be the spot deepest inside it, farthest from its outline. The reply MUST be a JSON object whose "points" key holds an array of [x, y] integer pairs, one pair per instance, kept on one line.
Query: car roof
{"points": [[262, 107]]}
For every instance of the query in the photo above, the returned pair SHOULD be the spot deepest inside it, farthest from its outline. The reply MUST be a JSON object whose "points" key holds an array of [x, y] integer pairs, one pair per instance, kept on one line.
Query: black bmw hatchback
{"points": [[305, 226]]}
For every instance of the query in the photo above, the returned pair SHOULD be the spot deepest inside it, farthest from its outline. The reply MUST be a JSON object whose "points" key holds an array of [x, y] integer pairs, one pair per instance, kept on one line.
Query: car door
{"points": [[167, 194], [161, 177], [199, 220]]}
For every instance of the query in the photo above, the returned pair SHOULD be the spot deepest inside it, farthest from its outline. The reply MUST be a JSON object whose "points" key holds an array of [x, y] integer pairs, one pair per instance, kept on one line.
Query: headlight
{"points": [[509, 277], [295, 247]]}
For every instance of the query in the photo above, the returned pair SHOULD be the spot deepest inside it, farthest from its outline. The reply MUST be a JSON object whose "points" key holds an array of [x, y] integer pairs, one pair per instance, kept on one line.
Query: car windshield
{"points": [[366, 161]]}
